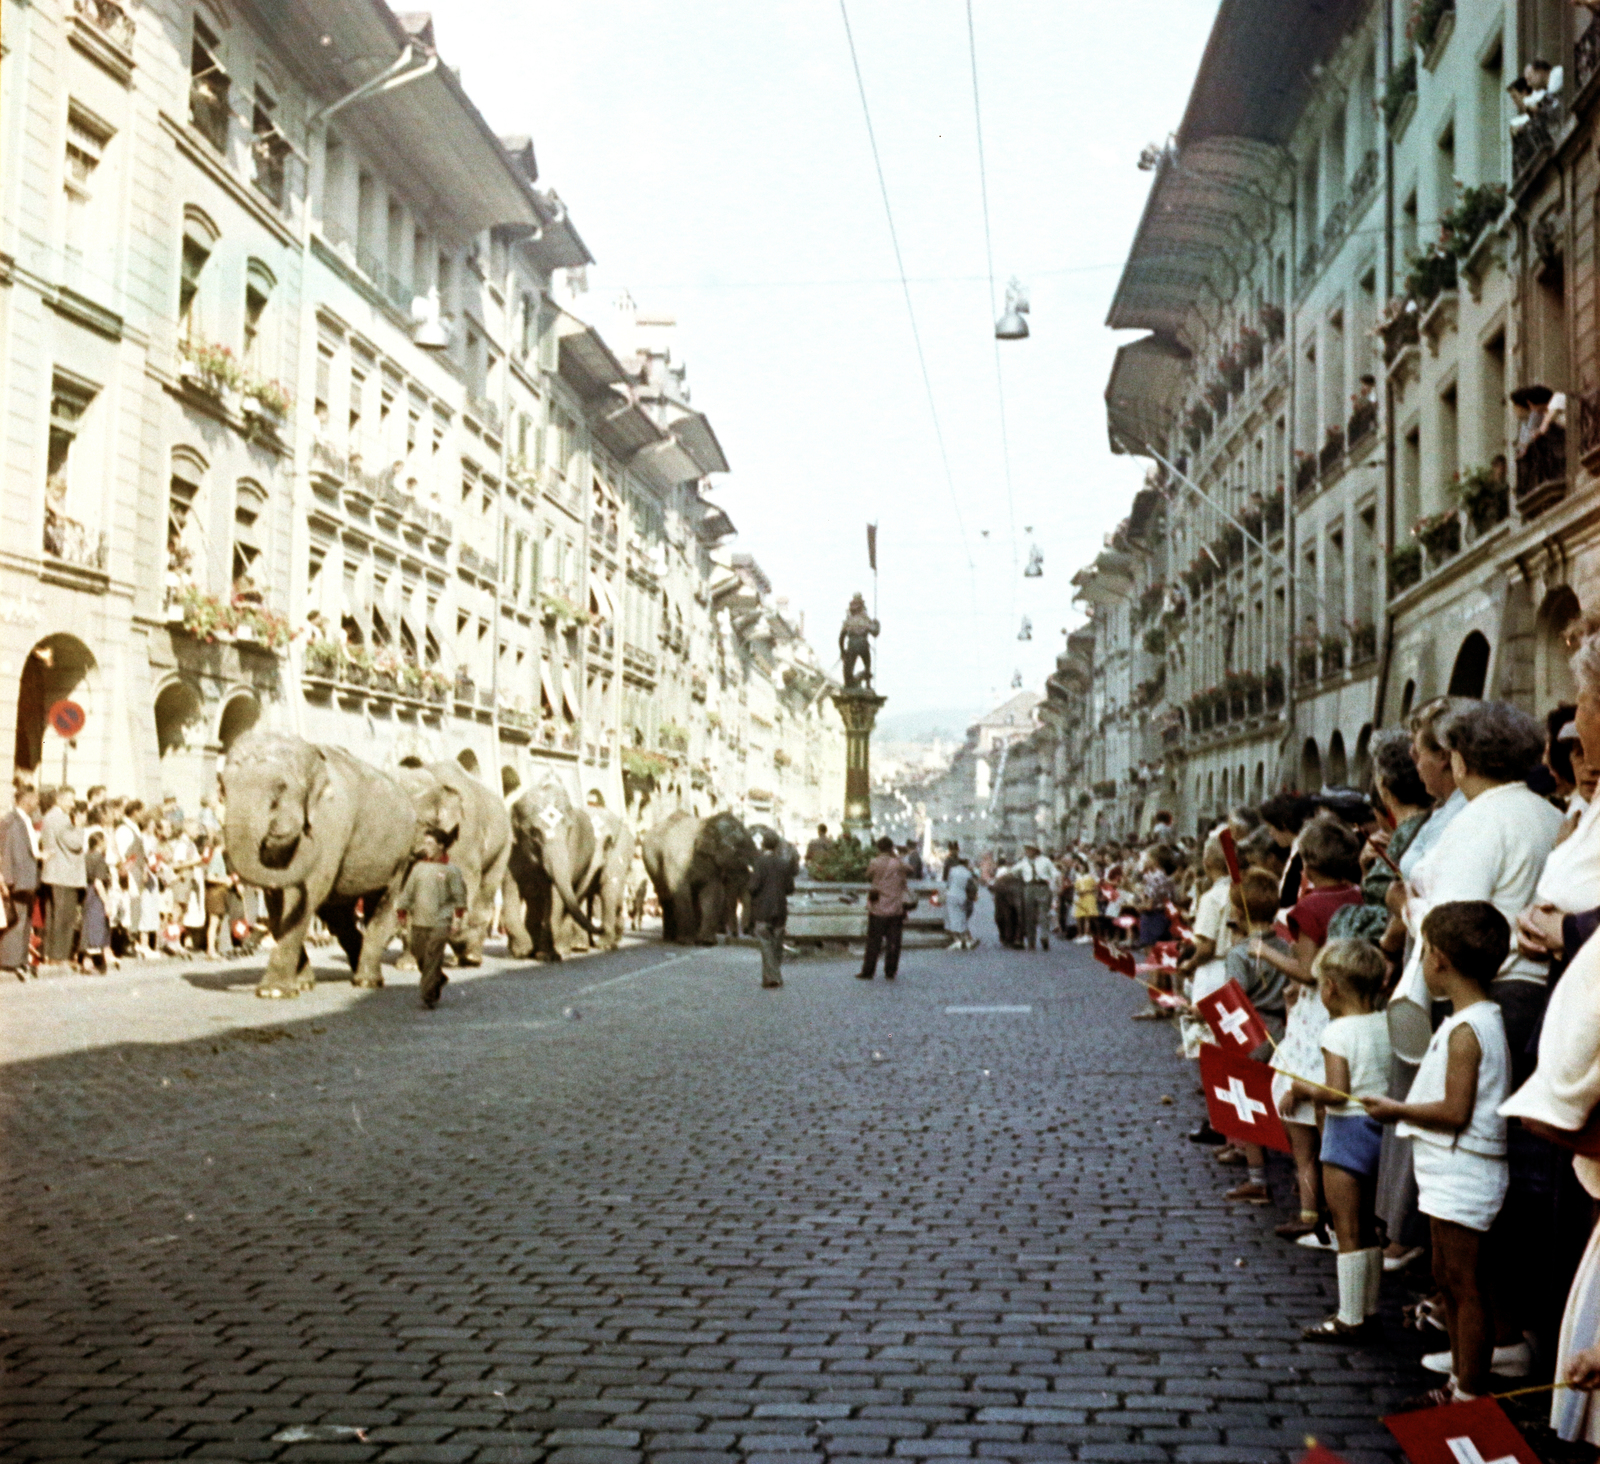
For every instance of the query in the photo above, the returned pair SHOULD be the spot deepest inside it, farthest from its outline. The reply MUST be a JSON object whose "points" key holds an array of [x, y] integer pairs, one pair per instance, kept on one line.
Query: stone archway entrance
{"points": [[241, 713], [1471, 670], [1310, 767], [180, 740], [1338, 761], [58, 667]]}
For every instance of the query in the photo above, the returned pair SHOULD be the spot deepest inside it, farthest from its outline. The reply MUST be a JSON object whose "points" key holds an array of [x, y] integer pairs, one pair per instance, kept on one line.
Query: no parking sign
{"points": [[67, 719]]}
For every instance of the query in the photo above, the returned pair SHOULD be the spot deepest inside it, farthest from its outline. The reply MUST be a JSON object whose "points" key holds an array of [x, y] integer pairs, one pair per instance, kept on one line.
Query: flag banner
{"points": [[1320, 1454], [1180, 931], [1460, 1433], [1126, 922], [1234, 1022], [1230, 852], [1115, 960], [1239, 1098], [872, 546]]}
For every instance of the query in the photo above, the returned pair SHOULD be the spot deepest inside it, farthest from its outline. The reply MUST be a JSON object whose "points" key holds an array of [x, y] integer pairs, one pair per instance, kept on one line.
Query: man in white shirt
{"points": [[1037, 873]]}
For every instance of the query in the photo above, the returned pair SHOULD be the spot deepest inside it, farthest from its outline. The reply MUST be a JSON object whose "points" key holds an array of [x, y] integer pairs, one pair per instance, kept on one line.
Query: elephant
{"points": [[317, 829], [607, 878], [700, 868], [552, 850], [448, 797]]}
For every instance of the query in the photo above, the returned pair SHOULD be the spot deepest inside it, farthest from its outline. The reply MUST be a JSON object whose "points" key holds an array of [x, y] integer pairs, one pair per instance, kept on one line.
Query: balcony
{"points": [[109, 18], [1364, 181], [70, 542], [1589, 425], [1332, 452], [390, 286], [1333, 230], [1363, 420], [484, 411], [327, 461], [1531, 143], [1586, 56], [1542, 474]]}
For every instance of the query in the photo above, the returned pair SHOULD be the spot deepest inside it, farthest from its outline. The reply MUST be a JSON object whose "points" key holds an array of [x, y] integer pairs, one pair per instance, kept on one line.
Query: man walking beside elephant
{"points": [[770, 887], [433, 903]]}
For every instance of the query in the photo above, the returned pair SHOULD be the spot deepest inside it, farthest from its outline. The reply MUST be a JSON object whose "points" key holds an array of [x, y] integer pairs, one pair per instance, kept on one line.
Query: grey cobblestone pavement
{"points": [[635, 1207]]}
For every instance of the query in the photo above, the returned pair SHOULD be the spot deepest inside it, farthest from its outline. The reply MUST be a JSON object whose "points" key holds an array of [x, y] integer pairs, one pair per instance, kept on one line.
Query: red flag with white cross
{"points": [[1239, 1098], [1234, 1022], [1320, 1454], [1460, 1433], [1115, 960]]}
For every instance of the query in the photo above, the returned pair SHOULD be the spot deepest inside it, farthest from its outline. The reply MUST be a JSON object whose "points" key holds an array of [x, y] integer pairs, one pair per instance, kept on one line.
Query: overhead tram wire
{"points": [[916, 334], [988, 249]]}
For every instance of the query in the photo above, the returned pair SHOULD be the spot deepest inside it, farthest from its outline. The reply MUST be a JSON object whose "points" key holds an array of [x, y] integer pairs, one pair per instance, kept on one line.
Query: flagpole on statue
{"points": [[872, 559]]}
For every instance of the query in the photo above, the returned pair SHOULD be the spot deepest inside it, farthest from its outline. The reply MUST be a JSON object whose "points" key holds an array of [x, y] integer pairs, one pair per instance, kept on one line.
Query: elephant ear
{"points": [[319, 785]]}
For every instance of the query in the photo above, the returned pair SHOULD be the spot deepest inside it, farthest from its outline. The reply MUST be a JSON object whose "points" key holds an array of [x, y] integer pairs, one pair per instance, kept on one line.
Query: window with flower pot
{"points": [[259, 281], [200, 237], [248, 570], [68, 534]]}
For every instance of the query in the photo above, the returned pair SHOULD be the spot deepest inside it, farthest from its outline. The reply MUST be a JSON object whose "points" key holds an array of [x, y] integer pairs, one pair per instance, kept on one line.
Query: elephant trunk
{"points": [[269, 857], [562, 880]]}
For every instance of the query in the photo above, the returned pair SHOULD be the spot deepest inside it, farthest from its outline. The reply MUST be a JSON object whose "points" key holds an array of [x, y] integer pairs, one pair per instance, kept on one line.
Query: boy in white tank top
{"points": [[1458, 1139]]}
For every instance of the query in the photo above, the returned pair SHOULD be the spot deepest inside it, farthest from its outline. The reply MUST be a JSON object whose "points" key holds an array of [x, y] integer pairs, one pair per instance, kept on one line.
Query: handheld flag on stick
{"points": [[1239, 1099], [1230, 852], [1234, 1022], [1319, 1454], [1460, 1433], [872, 547], [1115, 960]]}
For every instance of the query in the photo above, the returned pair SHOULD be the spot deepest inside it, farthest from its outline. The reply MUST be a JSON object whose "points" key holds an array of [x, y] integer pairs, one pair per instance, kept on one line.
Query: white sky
{"points": [[715, 160]]}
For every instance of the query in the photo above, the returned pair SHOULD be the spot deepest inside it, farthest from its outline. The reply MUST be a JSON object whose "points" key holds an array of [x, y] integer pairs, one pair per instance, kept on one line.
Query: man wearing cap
{"points": [[433, 901], [1036, 872]]}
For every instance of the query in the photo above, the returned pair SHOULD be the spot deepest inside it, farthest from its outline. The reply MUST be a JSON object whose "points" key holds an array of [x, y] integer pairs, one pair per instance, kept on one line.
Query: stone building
{"points": [[991, 792], [1358, 249], [311, 422]]}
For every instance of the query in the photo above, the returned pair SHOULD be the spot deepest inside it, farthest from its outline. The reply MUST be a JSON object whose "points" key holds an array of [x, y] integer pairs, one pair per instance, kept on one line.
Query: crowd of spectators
{"points": [[1421, 958]]}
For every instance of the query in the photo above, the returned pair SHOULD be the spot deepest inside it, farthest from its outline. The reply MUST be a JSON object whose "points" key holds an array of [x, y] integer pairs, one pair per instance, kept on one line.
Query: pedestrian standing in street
{"points": [[770, 885], [19, 881], [62, 841], [1037, 873], [433, 902], [94, 949], [818, 849], [887, 903], [960, 885]]}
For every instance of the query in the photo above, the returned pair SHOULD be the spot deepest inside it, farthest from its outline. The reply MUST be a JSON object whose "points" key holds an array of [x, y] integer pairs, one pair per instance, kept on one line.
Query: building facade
{"points": [[1368, 247], [311, 423]]}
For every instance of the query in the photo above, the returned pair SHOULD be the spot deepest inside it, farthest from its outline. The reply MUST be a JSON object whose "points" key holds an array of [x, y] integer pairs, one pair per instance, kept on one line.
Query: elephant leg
{"points": [[288, 970], [341, 920], [711, 914], [541, 914], [469, 949], [685, 917], [519, 943], [383, 923]]}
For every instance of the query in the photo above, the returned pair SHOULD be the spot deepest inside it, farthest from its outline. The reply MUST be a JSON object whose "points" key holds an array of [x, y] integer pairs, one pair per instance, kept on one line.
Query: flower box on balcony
{"points": [[1439, 534], [1405, 567]]}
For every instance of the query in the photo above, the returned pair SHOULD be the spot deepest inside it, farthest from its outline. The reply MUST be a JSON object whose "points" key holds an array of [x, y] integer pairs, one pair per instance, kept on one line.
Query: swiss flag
{"points": [[1230, 852], [1320, 1454], [1234, 1022], [1114, 960], [1460, 1433], [1239, 1098]]}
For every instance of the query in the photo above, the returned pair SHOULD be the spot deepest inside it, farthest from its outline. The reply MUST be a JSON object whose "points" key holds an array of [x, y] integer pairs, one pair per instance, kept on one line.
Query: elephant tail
{"points": [[569, 898]]}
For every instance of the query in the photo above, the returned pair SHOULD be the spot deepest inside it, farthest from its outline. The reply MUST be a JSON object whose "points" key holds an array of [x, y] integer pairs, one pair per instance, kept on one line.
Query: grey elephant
{"points": [[478, 827], [318, 830], [607, 879], [552, 849], [700, 868]]}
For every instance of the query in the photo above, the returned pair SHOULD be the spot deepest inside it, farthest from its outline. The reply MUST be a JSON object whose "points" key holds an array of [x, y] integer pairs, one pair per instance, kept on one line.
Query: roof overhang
{"points": [[588, 364], [668, 463], [713, 524], [1146, 384], [693, 431], [425, 130], [1208, 203], [1258, 69], [625, 428]]}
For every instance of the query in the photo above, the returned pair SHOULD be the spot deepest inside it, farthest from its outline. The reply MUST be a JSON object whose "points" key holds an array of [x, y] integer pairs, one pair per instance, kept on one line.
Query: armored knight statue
{"points": [[855, 645]]}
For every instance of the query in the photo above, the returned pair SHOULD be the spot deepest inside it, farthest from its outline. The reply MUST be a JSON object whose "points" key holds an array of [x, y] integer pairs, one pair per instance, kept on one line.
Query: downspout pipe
{"points": [[395, 75], [1386, 659]]}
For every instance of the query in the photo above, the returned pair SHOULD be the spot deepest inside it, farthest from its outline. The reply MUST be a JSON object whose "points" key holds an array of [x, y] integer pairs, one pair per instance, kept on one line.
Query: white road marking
{"points": [[633, 975], [983, 1011]]}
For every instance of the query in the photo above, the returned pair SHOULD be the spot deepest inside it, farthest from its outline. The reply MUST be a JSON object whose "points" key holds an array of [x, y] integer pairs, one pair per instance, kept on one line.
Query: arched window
{"points": [[248, 570], [186, 540], [1310, 767], [258, 286], [1408, 699], [1471, 669], [1338, 766], [200, 236]]}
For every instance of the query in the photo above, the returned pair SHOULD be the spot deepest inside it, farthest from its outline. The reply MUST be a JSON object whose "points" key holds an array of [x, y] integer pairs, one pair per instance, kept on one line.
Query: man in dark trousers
{"points": [[771, 882], [886, 912], [19, 883], [433, 902]]}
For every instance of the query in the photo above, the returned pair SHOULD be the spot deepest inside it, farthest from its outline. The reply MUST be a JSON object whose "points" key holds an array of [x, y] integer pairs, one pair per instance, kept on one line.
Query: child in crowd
{"points": [[1458, 1137], [1255, 905], [1330, 855], [1355, 1055]]}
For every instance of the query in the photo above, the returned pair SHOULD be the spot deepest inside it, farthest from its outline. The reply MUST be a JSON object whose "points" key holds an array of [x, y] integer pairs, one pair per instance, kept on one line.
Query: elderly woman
{"points": [[1563, 914]]}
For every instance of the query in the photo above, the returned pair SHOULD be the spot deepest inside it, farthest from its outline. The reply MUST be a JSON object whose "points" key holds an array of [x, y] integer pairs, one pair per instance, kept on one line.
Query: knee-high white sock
{"points": [[1352, 1288], [1373, 1279]]}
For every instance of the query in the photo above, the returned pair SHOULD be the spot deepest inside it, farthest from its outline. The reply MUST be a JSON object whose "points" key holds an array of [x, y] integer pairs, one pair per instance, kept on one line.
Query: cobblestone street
{"points": [[635, 1207]]}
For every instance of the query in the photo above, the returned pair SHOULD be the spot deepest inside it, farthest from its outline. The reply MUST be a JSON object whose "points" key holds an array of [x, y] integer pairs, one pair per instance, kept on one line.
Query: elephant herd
{"points": [[323, 833]]}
